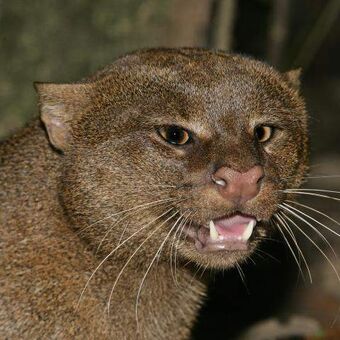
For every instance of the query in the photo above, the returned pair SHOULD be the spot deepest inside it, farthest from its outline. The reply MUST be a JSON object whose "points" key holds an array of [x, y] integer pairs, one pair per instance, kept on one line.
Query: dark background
{"points": [[63, 41]]}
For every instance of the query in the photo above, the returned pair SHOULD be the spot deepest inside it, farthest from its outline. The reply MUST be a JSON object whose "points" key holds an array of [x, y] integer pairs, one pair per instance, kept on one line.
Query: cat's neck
{"points": [[150, 301]]}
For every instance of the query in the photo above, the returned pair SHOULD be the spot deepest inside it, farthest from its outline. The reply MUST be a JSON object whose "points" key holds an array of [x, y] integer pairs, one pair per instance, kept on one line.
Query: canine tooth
{"points": [[249, 230], [213, 231]]}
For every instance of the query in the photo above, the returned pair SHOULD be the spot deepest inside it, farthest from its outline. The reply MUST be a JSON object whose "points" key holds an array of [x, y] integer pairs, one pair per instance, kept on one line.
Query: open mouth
{"points": [[225, 233]]}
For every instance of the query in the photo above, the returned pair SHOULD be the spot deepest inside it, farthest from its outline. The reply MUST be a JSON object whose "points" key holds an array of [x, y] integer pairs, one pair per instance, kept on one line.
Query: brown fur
{"points": [[106, 157]]}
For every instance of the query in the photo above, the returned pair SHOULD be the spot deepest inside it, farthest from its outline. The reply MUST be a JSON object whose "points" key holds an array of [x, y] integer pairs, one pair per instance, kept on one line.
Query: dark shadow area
{"points": [[234, 304]]}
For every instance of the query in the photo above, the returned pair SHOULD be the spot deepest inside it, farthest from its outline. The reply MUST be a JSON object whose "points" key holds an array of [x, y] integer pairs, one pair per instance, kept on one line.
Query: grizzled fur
{"points": [[64, 183]]}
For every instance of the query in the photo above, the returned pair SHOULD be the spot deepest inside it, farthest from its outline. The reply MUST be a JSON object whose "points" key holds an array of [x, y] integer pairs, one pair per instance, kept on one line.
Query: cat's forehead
{"points": [[216, 98], [198, 88], [228, 103], [204, 77]]}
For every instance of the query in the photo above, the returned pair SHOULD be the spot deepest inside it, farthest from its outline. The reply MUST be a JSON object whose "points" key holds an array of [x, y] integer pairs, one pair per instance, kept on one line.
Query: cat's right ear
{"points": [[293, 78], [59, 105]]}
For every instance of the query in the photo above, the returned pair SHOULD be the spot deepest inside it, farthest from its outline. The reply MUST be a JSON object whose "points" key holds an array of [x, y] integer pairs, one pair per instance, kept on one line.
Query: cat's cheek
{"points": [[265, 204], [284, 156]]}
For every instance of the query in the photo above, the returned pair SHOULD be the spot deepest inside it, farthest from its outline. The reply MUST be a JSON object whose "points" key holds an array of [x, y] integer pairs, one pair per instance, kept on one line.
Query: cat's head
{"points": [[186, 150]]}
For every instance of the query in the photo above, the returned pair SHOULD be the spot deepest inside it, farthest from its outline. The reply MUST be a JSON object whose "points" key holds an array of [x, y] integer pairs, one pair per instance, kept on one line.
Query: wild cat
{"points": [[162, 162]]}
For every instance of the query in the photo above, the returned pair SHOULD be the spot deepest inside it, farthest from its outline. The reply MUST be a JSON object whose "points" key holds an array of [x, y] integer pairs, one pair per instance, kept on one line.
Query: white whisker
{"points": [[256, 251], [310, 194], [106, 257], [242, 276], [289, 245], [179, 229], [322, 176], [320, 213], [113, 225], [199, 267], [315, 190], [148, 269], [179, 237], [182, 218], [136, 250], [130, 213], [291, 233], [126, 210], [317, 247], [289, 208]]}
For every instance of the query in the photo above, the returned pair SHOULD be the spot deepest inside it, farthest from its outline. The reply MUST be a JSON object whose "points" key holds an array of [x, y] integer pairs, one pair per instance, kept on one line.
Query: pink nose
{"points": [[236, 186]]}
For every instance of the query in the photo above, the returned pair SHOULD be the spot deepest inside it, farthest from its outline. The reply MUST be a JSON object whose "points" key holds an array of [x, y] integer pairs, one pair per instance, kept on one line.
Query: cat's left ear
{"points": [[293, 78], [60, 105]]}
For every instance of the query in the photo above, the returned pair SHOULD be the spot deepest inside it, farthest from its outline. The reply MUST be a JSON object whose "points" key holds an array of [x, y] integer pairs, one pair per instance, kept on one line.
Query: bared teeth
{"points": [[249, 230], [214, 235], [213, 231]]}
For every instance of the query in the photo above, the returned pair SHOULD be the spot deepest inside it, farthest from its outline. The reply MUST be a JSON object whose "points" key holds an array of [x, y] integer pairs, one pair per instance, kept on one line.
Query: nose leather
{"points": [[239, 187]]}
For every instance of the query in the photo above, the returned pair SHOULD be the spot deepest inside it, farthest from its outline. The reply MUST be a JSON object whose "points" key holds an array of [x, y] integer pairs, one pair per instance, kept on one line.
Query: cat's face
{"points": [[185, 151]]}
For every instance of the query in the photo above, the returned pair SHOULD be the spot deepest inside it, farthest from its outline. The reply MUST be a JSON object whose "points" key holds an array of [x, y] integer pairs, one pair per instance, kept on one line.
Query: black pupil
{"points": [[260, 133], [175, 135]]}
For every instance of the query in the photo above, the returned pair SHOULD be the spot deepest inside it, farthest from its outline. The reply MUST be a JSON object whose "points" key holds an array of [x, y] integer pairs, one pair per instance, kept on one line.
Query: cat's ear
{"points": [[59, 104], [293, 78]]}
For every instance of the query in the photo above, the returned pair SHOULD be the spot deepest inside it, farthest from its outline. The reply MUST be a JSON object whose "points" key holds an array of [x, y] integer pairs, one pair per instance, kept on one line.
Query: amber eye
{"points": [[263, 133], [174, 135]]}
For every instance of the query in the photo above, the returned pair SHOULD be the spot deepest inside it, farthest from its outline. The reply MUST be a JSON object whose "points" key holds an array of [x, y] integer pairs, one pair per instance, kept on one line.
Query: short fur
{"points": [[62, 190]]}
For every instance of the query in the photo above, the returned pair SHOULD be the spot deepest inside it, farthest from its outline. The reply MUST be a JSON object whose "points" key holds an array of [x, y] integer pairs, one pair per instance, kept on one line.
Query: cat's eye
{"points": [[175, 135], [263, 133]]}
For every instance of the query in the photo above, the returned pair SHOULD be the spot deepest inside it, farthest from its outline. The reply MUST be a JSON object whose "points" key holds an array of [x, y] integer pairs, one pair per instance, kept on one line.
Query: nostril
{"points": [[254, 175], [218, 181], [260, 179]]}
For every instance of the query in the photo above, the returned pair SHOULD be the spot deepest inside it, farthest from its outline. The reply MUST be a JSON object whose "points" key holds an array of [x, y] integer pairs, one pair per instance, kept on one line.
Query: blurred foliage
{"points": [[62, 41]]}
